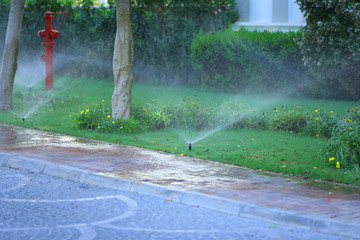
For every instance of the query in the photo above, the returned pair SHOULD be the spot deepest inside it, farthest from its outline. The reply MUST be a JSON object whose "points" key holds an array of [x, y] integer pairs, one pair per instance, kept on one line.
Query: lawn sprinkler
{"points": [[23, 119], [189, 146]]}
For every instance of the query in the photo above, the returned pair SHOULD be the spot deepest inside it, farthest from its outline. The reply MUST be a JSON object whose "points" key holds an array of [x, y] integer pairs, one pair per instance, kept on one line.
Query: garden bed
{"points": [[261, 140]]}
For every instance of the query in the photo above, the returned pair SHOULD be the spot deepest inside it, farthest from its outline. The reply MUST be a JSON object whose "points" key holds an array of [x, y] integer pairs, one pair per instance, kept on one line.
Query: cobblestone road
{"points": [[37, 206]]}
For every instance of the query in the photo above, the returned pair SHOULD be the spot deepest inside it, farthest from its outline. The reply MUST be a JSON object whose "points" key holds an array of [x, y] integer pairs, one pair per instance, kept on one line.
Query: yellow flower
{"points": [[315, 167], [175, 148], [276, 110], [199, 145], [144, 109], [337, 165], [121, 127], [357, 108], [252, 139], [152, 141], [182, 154], [350, 121], [103, 101], [316, 111], [108, 116], [87, 110], [331, 112], [82, 112], [350, 128], [113, 122], [331, 159]]}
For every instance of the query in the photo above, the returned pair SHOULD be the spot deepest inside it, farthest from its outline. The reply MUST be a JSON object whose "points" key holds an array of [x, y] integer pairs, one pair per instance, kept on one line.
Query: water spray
{"points": [[189, 146]]}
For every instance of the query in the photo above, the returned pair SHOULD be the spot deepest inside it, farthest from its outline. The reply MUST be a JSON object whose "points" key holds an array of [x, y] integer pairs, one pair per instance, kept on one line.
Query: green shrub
{"points": [[91, 116], [190, 113], [344, 145], [315, 123], [98, 117], [153, 116], [289, 120], [193, 114], [246, 59], [119, 125], [330, 46], [320, 123], [229, 113]]}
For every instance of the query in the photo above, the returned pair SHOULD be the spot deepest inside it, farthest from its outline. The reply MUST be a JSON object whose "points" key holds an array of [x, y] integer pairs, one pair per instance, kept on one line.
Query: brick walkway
{"points": [[329, 201]]}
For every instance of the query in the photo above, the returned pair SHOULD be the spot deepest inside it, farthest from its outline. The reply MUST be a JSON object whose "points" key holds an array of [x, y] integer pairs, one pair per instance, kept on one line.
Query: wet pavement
{"points": [[329, 201]]}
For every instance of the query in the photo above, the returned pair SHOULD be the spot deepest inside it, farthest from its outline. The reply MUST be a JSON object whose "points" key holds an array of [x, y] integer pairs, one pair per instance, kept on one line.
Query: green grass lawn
{"points": [[279, 152]]}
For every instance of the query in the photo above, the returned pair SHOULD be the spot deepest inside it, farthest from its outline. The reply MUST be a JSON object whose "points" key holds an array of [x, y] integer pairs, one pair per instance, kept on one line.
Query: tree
{"points": [[123, 61], [330, 45], [11, 49]]}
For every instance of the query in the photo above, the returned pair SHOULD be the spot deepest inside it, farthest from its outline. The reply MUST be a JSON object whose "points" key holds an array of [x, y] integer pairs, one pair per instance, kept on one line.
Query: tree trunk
{"points": [[11, 48], [123, 61]]}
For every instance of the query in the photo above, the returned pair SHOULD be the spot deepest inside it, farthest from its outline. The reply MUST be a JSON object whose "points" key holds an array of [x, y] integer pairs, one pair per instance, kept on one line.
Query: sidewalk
{"points": [[322, 207]]}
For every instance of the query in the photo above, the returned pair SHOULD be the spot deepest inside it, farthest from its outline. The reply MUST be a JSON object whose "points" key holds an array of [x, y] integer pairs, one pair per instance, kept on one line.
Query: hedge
{"points": [[250, 60]]}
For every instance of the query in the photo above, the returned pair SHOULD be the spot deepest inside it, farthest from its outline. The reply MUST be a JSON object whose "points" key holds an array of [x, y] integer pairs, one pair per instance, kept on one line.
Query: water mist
{"points": [[232, 110], [30, 73]]}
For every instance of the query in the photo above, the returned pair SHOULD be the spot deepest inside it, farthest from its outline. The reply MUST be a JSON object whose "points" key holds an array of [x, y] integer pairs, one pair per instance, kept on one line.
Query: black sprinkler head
{"points": [[189, 146], [23, 119]]}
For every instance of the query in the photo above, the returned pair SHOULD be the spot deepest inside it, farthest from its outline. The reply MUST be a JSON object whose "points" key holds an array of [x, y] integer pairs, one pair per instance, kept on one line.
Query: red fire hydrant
{"points": [[49, 34]]}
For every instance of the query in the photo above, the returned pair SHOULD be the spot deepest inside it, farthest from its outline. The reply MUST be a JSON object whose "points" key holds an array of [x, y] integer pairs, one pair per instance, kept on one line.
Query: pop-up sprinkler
{"points": [[23, 119], [189, 146]]}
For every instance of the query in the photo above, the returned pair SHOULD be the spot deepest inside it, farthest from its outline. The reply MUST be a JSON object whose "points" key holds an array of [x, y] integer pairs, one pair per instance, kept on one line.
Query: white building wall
{"points": [[295, 15], [270, 15], [260, 11]]}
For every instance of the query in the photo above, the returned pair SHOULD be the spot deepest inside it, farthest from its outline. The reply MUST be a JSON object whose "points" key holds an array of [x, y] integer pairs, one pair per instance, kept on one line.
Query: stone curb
{"points": [[242, 209]]}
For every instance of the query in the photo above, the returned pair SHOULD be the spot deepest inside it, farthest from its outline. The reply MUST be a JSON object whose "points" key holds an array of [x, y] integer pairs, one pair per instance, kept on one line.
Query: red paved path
{"points": [[314, 199]]}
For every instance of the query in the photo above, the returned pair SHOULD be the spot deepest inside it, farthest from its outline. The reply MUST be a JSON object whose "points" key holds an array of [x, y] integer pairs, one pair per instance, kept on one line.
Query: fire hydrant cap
{"points": [[41, 33], [48, 15]]}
